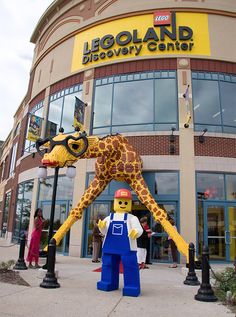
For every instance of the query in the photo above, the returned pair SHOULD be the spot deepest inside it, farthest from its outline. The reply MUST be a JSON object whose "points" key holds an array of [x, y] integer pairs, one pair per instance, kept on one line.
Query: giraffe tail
{"points": [[180, 243], [61, 232]]}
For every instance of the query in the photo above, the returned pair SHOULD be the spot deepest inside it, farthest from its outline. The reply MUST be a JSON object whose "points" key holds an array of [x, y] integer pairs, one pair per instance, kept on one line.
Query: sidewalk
{"points": [[163, 293]]}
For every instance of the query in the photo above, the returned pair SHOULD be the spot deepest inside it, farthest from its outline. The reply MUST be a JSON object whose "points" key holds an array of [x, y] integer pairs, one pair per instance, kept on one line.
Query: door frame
{"points": [[225, 205], [43, 203]]}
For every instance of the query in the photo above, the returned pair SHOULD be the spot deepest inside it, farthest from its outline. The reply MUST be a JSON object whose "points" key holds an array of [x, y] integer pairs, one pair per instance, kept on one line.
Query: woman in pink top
{"points": [[33, 254]]}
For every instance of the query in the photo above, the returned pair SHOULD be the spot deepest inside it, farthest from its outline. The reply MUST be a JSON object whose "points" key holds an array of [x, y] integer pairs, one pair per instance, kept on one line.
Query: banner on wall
{"points": [[35, 126], [162, 33], [79, 113]]}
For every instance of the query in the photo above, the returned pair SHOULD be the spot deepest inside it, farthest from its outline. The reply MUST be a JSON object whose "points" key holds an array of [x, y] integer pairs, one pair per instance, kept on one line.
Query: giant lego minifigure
{"points": [[121, 230]]}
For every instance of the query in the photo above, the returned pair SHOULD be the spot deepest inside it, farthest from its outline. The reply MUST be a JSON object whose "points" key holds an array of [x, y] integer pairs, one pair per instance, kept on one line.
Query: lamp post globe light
{"points": [[42, 174]]}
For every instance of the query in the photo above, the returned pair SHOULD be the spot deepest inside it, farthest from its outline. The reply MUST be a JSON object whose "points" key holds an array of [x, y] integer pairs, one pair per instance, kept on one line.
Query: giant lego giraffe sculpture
{"points": [[116, 159]]}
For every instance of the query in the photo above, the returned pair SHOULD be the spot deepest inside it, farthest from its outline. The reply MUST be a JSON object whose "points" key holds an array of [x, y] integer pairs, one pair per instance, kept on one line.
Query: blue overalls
{"points": [[117, 247]]}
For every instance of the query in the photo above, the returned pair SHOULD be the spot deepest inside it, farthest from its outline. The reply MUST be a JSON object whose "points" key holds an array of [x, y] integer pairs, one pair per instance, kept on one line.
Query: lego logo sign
{"points": [[162, 18]]}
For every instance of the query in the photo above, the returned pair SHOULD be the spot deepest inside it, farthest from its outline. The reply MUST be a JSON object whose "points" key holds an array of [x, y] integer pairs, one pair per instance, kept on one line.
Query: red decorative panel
{"points": [[213, 66], [67, 82], [136, 66], [37, 99]]}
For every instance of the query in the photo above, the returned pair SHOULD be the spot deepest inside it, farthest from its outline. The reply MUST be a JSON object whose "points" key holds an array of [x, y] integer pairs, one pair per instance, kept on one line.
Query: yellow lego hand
{"points": [[101, 224], [133, 233]]}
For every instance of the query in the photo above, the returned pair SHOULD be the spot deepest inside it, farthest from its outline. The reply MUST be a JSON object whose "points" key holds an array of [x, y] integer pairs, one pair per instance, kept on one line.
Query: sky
{"points": [[18, 19]]}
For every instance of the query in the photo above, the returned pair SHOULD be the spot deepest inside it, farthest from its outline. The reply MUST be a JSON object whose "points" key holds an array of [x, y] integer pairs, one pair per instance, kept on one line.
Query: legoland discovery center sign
{"points": [[158, 34]]}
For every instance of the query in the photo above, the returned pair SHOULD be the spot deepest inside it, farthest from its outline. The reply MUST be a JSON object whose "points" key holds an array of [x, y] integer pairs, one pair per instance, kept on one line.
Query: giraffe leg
{"points": [[144, 195], [94, 189]]}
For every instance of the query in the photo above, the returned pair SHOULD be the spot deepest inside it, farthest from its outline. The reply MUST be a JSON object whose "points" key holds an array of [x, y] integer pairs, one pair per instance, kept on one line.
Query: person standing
{"points": [[173, 247], [142, 243], [33, 254], [97, 242]]}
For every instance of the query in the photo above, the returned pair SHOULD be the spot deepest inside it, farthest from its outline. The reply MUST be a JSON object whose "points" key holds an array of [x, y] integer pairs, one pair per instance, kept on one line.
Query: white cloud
{"points": [[18, 21]]}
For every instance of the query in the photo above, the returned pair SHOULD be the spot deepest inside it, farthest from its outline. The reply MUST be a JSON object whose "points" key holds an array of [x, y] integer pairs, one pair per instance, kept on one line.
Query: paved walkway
{"points": [[163, 293]]}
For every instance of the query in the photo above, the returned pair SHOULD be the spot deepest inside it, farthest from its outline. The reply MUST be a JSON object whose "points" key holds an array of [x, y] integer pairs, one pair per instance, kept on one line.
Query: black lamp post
{"points": [[82, 137], [43, 174]]}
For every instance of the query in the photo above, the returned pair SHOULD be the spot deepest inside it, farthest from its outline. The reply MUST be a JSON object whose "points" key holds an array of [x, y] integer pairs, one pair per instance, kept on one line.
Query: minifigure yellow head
{"points": [[123, 200]]}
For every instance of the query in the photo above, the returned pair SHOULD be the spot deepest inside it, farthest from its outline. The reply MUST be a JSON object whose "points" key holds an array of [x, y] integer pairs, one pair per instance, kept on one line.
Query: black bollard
{"points": [[191, 278], [205, 292], [20, 264], [50, 280]]}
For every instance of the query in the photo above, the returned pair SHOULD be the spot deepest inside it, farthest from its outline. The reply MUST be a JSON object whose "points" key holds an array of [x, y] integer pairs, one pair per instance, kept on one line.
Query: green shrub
{"points": [[6, 265], [225, 286]]}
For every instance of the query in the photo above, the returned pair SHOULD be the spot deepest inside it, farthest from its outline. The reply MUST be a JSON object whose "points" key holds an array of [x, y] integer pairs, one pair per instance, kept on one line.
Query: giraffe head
{"points": [[63, 149]]}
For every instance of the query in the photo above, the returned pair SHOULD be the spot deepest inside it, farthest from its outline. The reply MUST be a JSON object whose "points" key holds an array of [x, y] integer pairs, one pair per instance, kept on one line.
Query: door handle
{"points": [[227, 236]]}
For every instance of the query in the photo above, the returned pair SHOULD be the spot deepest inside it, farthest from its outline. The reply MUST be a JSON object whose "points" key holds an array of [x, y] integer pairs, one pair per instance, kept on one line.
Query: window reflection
{"points": [[211, 185], [165, 101], [231, 187], [61, 110], [206, 102], [102, 108], [135, 102], [214, 102], [166, 183], [23, 208], [65, 188], [228, 103]]}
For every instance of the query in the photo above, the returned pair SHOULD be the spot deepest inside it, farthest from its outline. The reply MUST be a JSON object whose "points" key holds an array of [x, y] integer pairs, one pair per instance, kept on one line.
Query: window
{"points": [[64, 189], [166, 183], [216, 186], [135, 102], [23, 208], [5, 214], [61, 110], [214, 102], [37, 111], [17, 129], [210, 186], [13, 160]]}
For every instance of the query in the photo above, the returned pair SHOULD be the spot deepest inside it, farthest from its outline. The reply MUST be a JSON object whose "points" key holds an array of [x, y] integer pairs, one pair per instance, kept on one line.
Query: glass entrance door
{"points": [[62, 209], [160, 249], [220, 230]]}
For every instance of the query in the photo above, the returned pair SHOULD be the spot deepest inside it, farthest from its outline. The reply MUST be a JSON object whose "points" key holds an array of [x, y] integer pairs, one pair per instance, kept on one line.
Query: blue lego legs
{"points": [[131, 275], [110, 272]]}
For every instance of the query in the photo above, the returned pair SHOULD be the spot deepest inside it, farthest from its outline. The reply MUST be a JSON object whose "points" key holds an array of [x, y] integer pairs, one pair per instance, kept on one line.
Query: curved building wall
{"points": [[112, 56]]}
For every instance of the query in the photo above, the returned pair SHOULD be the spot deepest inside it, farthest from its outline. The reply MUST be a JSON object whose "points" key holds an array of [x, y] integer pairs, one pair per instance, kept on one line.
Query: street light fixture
{"points": [[42, 174]]}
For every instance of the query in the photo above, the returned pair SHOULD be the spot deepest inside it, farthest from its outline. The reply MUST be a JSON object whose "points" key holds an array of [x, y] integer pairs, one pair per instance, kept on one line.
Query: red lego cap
{"points": [[123, 193]]}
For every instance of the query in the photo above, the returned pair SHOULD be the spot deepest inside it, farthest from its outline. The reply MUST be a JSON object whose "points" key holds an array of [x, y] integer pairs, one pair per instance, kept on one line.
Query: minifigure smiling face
{"points": [[123, 201]]}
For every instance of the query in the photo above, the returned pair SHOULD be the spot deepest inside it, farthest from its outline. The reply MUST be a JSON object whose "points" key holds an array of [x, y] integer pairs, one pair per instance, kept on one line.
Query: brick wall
{"points": [[217, 147]]}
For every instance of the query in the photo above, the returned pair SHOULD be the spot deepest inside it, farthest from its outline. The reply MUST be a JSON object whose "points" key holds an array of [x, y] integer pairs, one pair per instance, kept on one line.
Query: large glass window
{"points": [[5, 214], [37, 111], [23, 208], [135, 102], [166, 183], [65, 187], [210, 186], [61, 110], [214, 102]]}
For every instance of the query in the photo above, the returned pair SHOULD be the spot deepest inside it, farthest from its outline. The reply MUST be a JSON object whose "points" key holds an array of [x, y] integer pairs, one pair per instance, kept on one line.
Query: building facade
{"points": [[163, 74]]}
